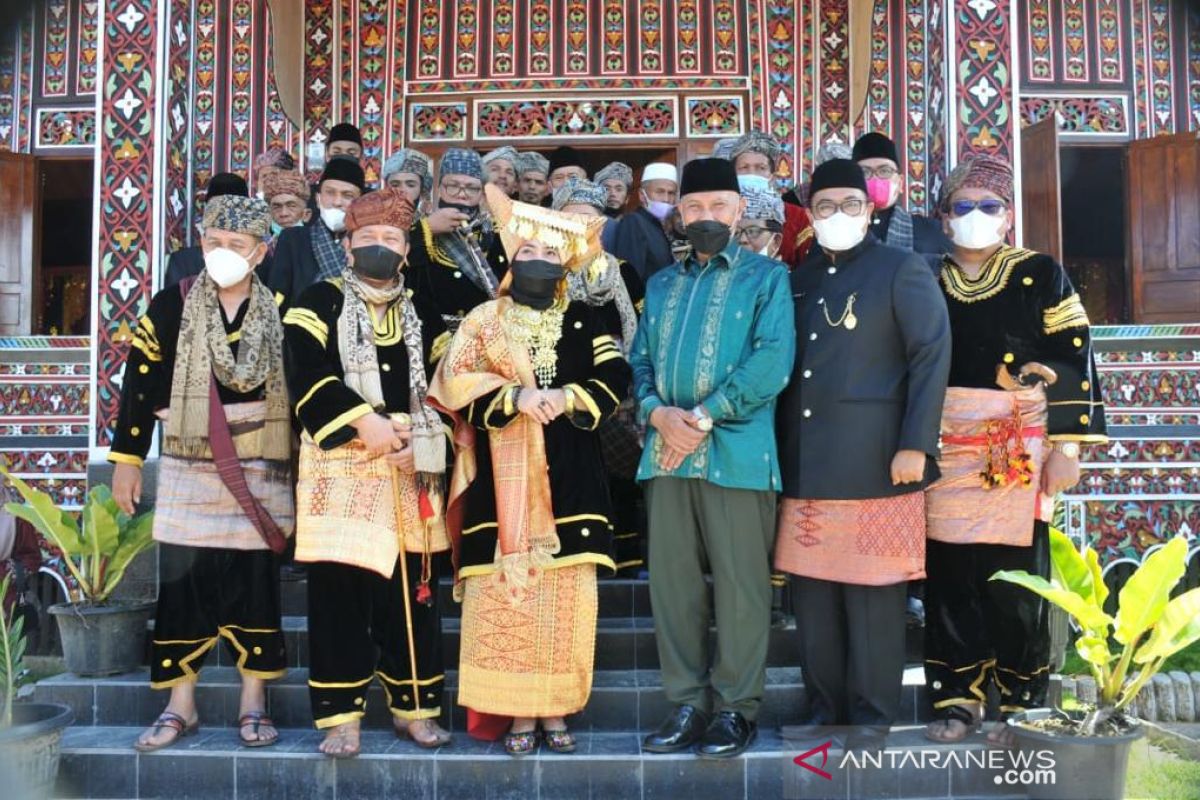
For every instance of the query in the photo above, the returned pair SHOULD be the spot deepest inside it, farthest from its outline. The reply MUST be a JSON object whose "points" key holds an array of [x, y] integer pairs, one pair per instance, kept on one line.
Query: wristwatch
{"points": [[703, 421], [1068, 449]]}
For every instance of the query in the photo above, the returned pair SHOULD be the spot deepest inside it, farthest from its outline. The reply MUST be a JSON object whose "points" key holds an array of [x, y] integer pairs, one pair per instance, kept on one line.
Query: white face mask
{"points": [[840, 232], [225, 267], [334, 219], [755, 182], [977, 230]]}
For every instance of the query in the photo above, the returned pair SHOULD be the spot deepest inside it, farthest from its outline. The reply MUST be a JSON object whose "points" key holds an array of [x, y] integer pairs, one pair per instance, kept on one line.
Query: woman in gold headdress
{"points": [[530, 376]]}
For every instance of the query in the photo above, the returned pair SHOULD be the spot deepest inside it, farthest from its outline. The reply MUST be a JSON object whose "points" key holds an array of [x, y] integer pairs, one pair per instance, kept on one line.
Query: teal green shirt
{"points": [[721, 335]]}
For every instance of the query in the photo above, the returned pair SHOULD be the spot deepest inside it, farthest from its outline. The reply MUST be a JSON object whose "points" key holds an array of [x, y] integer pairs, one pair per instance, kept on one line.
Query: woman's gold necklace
{"points": [[847, 320], [538, 332]]}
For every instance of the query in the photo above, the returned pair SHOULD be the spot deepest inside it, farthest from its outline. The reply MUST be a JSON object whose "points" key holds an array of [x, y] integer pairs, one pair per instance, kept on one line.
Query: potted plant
{"points": [[30, 733], [1091, 748], [99, 636]]}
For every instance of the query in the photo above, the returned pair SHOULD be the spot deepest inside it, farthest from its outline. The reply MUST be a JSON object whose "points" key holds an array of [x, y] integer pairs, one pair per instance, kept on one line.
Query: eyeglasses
{"points": [[751, 232], [464, 189], [851, 207], [887, 172], [991, 207]]}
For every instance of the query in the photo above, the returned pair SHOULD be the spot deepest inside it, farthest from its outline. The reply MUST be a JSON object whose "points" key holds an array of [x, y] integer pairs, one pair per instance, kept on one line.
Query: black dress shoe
{"points": [[727, 736], [679, 731], [810, 726]]}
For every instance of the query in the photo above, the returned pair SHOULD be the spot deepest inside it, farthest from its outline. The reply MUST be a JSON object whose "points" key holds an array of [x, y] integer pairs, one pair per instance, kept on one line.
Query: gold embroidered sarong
{"points": [[347, 512], [533, 659], [963, 508], [872, 542]]}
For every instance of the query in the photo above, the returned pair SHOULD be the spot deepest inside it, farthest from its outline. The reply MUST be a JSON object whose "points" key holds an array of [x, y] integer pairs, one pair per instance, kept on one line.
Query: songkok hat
{"points": [[413, 162], [237, 214], [532, 162], [344, 132], [344, 169], [275, 157], [505, 153], [875, 145], [284, 182], [659, 171], [724, 148], [833, 150], [579, 192], [981, 172], [764, 206], [708, 175], [226, 183], [576, 237], [756, 142], [461, 161], [616, 171], [565, 157], [837, 173], [386, 206]]}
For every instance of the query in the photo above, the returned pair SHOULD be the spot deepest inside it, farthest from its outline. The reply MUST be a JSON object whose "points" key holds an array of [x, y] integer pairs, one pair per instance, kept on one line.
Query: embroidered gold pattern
{"points": [[992, 278], [538, 332], [1069, 313]]}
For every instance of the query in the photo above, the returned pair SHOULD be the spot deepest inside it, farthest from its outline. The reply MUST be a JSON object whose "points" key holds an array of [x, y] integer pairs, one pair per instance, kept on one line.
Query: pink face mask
{"points": [[880, 192]]}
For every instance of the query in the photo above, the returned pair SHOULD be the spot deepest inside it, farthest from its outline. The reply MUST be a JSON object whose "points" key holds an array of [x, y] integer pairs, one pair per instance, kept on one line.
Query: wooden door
{"points": [[18, 208], [1041, 189], [1164, 228]]}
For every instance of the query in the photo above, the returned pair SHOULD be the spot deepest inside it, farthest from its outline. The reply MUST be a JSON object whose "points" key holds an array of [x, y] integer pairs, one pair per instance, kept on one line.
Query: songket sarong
{"points": [[535, 658], [993, 448], [872, 542]]}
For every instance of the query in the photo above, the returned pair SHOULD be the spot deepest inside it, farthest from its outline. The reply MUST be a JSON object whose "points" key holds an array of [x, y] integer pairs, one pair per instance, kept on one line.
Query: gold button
{"points": [[166, 662], [258, 651], [1009, 358], [578, 325], [386, 367], [135, 431], [143, 368], [358, 701], [585, 532], [1077, 342], [404, 698], [1027, 281], [1084, 419], [1086, 385]]}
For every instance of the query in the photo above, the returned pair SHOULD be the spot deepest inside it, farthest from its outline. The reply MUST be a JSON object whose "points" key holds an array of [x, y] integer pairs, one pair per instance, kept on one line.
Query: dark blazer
{"points": [[640, 240], [859, 395], [188, 262], [295, 268]]}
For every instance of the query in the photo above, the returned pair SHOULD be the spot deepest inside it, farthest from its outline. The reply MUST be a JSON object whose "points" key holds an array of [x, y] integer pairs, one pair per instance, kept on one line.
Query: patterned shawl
{"points": [[900, 229], [484, 357], [608, 287], [360, 364], [331, 257], [203, 351], [464, 250]]}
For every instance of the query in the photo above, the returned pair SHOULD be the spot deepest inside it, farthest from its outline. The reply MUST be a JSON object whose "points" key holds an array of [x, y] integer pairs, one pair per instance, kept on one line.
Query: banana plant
{"points": [[12, 657], [1149, 627], [97, 554]]}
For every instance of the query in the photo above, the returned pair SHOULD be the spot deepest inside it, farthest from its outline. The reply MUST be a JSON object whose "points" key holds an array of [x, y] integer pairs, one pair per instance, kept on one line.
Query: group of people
{"points": [[475, 371]]}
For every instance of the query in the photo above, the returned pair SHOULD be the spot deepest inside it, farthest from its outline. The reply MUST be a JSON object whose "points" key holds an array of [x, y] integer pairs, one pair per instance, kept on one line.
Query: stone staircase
{"points": [[626, 701]]}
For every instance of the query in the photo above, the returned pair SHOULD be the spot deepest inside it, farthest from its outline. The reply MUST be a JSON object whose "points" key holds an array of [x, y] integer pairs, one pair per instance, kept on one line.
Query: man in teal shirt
{"points": [[714, 349]]}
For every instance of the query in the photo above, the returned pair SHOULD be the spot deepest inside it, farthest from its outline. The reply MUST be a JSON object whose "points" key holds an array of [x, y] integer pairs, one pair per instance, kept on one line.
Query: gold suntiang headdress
{"points": [[576, 237]]}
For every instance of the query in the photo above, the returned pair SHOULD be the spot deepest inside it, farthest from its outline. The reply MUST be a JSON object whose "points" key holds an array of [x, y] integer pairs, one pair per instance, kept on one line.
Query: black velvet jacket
{"points": [[590, 363], [432, 275], [862, 391], [1022, 308], [324, 405]]}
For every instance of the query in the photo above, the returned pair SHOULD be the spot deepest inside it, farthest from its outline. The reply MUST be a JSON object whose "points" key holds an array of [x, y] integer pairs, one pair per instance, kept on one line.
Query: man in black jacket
{"points": [[314, 252], [858, 433], [188, 262], [639, 237]]}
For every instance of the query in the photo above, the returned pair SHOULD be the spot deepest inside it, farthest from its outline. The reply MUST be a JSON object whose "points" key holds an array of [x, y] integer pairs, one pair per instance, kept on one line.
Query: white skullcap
{"points": [[659, 171]]}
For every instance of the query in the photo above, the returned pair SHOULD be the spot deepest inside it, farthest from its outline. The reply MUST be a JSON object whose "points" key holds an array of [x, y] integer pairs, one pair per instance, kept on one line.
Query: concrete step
{"points": [[621, 700], [98, 762]]}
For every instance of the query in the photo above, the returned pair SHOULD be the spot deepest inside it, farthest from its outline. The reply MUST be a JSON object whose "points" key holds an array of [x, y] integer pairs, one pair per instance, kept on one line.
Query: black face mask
{"points": [[708, 236], [376, 262], [469, 210], [535, 282]]}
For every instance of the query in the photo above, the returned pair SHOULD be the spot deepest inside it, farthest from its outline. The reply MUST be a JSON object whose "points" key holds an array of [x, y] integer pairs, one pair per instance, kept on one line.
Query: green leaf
{"points": [[40, 511], [1093, 562], [1069, 568], [1178, 627], [136, 537], [1094, 650], [1145, 595], [100, 527], [1089, 616]]}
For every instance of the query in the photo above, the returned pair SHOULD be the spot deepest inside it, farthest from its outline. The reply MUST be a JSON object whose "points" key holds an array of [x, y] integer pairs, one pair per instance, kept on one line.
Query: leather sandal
{"points": [[970, 721], [560, 740], [258, 719], [521, 744], [171, 720]]}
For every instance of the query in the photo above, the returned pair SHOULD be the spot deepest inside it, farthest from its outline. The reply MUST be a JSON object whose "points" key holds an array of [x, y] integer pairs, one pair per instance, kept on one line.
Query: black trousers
{"points": [[362, 625], [211, 593], [979, 631], [852, 650], [629, 519]]}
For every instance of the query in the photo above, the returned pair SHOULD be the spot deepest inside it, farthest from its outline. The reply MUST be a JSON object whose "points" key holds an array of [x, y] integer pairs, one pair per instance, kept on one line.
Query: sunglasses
{"points": [[993, 208]]}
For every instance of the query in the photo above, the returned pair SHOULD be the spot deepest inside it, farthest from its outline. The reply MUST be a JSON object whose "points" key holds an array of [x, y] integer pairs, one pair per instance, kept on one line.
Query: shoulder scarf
{"points": [[900, 229], [484, 357], [360, 366], [608, 287], [330, 256], [202, 350], [464, 252]]}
